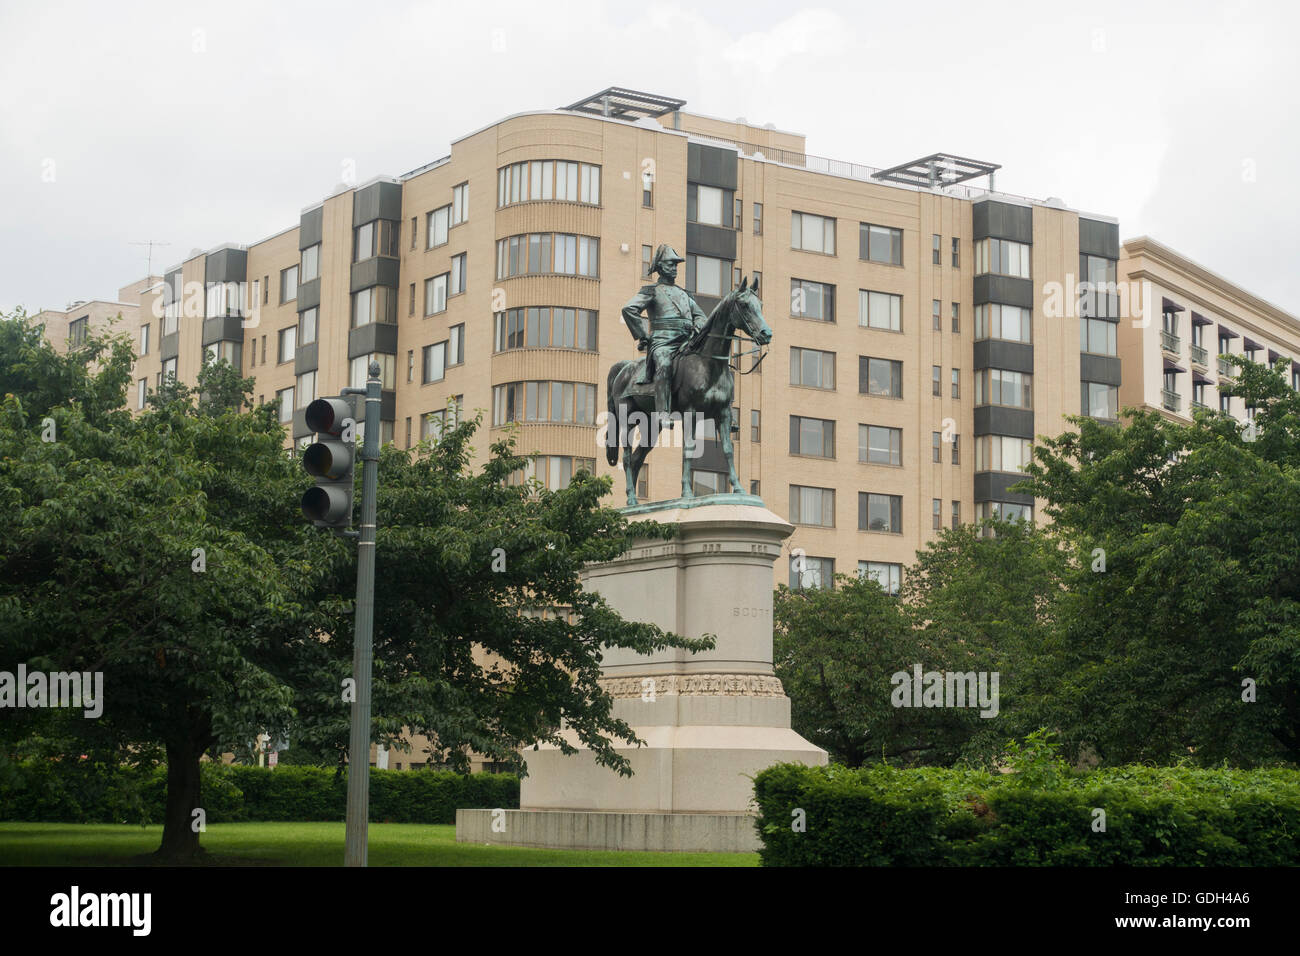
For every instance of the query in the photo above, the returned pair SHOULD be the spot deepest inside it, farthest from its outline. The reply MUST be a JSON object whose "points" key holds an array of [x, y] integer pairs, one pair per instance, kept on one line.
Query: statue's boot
{"points": [[664, 396]]}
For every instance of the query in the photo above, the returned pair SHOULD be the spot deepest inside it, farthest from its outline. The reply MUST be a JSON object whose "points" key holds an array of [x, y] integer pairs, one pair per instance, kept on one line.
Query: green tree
{"points": [[164, 551], [835, 651], [167, 551], [470, 568], [1199, 529], [992, 592]]}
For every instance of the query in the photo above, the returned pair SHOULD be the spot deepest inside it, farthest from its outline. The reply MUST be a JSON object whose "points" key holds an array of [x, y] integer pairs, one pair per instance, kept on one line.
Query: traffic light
{"points": [[330, 461]]}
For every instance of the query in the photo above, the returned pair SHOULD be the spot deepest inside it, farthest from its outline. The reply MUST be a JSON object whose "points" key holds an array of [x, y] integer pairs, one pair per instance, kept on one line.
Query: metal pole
{"points": [[358, 814]]}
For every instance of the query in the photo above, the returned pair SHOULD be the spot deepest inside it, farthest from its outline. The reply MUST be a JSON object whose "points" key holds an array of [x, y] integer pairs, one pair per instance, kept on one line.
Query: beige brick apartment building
{"points": [[913, 360]]}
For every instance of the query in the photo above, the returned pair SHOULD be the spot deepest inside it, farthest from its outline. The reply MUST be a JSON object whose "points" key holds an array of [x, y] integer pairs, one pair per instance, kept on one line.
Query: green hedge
{"points": [[65, 791], [1154, 816]]}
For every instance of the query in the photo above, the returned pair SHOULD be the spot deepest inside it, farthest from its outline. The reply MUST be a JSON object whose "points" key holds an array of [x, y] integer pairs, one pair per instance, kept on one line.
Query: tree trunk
{"points": [[180, 839]]}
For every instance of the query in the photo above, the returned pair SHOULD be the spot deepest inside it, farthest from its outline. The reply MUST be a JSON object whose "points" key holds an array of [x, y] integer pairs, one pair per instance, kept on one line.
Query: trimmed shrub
{"points": [[1154, 816], [64, 791]]}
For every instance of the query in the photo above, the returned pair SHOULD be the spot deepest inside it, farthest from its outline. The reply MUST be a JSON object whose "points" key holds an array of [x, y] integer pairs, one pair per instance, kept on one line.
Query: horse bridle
{"points": [[735, 336]]}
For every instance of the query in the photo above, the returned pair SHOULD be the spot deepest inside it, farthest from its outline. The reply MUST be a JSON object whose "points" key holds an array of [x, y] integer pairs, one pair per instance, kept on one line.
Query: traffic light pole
{"points": [[358, 812]]}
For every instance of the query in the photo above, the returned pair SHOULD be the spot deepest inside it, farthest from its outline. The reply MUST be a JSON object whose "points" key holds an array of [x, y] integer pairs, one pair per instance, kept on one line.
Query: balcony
{"points": [[1172, 401], [1200, 356], [1170, 342], [1196, 405], [1226, 368]]}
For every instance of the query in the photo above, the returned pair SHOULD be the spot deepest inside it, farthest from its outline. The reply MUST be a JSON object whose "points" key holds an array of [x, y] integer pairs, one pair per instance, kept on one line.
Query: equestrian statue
{"points": [[687, 374]]}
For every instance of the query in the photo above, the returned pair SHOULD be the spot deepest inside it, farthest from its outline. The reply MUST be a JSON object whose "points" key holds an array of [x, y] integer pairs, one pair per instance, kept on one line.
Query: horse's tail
{"points": [[612, 424]]}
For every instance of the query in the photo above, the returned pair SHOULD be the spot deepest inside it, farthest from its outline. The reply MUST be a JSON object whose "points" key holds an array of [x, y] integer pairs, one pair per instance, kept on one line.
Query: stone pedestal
{"points": [[710, 720]]}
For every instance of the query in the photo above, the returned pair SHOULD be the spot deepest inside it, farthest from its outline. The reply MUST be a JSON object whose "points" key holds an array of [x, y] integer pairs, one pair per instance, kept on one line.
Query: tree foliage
{"points": [[167, 551]]}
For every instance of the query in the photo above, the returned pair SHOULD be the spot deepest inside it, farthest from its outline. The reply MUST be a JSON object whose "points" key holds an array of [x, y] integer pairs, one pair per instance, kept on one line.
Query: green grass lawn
{"points": [[309, 844]]}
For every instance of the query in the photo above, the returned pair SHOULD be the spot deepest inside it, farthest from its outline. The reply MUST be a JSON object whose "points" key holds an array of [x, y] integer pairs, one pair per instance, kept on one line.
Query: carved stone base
{"points": [[692, 685]]}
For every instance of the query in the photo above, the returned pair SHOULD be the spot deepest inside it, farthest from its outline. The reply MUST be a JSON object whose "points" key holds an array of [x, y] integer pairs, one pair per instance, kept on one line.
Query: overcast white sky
{"points": [[202, 123]]}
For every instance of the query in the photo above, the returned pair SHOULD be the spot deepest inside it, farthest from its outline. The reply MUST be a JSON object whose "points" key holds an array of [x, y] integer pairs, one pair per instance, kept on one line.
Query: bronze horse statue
{"points": [[703, 389]]}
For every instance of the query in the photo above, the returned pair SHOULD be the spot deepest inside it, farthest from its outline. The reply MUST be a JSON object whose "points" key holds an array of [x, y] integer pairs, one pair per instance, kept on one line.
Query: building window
{"points": [[229, 352], [880, 310], [878, 376], [554, 472], [936, 245], [812, 369], [936, 321], [225, 299], [435, 294], [310, 263], [936, 447], [956, 514], [436, 227], [956, 383], [548, 179], [307, 326], [144, 340], [266, 289], [956, 449], [1225, 403], [1002, 257], [359, 370], [288, 341], [808, 573], [1098, 292], [812, 506], [995, 386], [1002, 453], [457, 285], [936, 513], [739, 214], [305, 390], [710, 205], [564, 402], [889, 576], [288, 284], [546, 327], [708, 276], [435, 362], [168, 370], [956, 317], [647, 255], [883, 513], [936, 380], [460, 204], [647, 191], [642, 482], [812, 436], [376, 304], [812, 300], [956, 252], [284, 398], [880, 244], [1007, 322], [812, 233], [141, 392], [1100, 400], [1097, 337], [755, 423], [1004, 511], [880, 445], [410, 365], [548, 253], [758, 218], [456, 345], [376, 238]]}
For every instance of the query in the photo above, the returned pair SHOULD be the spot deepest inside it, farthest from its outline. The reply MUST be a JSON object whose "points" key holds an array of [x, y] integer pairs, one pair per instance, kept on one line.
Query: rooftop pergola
{"points": [[938, 169], [620, 103]]}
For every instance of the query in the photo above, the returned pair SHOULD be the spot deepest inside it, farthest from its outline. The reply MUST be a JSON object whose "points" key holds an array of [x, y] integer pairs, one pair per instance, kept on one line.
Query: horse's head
{"points": [[747, 312]]}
